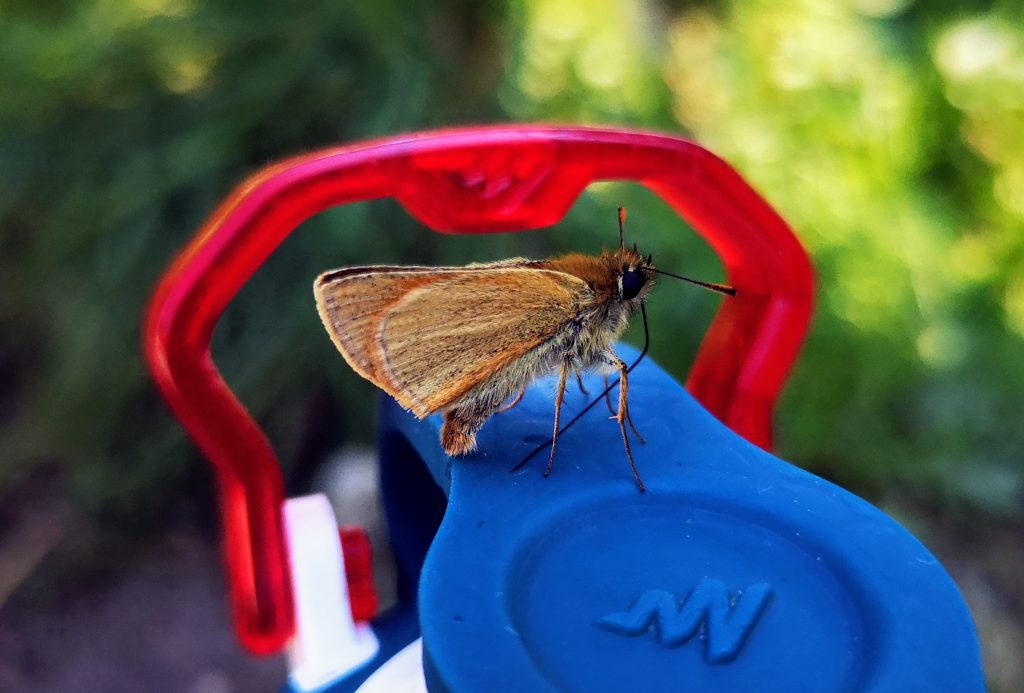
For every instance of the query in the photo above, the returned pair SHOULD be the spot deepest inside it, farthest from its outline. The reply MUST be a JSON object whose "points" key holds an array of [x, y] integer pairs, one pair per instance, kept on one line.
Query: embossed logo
{"points": [[727, 619]]}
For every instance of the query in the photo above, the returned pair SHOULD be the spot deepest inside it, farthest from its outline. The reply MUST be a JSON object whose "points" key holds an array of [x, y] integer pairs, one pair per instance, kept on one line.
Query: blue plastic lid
{"points": [[735, 571]]}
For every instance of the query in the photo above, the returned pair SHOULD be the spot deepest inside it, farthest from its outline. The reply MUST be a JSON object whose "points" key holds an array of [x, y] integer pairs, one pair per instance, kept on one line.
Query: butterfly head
{"points": [[634, 274]]}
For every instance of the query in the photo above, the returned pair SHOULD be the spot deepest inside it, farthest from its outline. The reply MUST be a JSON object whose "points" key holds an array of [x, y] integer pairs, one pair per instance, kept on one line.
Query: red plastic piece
{"points": [[358, 553], [477, 180]]}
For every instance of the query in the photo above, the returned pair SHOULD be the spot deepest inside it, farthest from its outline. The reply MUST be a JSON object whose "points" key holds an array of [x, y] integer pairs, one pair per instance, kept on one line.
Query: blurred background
{"points": [[887, 132]]}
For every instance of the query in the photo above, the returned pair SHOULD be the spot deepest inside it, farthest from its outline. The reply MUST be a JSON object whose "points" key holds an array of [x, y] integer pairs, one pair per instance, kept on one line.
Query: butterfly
{"points": [[463, 341]]}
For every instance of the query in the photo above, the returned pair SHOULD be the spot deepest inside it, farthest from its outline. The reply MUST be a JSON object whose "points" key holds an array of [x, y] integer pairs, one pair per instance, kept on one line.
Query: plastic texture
{"points": [[478, 180], [735, 571], [403, 673]]}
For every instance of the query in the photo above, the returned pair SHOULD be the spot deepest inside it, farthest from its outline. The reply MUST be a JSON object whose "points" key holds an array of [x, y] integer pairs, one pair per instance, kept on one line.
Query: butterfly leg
{"points": [[513, 403], [579, 381], [623, 414], [607, 395], [563, 375], [629, 417]]}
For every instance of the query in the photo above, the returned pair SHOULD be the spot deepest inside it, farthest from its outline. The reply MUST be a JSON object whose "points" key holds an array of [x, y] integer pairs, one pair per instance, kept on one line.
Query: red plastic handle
{"points": [[475, 180]]}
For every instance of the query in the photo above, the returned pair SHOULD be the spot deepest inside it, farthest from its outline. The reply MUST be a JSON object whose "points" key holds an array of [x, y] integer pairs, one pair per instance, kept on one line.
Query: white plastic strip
{"points": [[403, 673], [327, 644]]}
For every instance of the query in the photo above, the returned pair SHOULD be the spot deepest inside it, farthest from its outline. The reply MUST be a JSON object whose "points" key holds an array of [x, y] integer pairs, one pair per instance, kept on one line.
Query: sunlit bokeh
{"points": [[885, 131]]}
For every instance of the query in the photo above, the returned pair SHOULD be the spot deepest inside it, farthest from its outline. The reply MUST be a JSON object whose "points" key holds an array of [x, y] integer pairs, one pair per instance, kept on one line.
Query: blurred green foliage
{"points": [[886, 132]]}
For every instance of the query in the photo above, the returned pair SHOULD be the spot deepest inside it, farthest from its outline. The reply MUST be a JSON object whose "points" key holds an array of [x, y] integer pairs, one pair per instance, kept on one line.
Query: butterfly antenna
{"points": [[566, 427], [711, 286], [622, 228]]}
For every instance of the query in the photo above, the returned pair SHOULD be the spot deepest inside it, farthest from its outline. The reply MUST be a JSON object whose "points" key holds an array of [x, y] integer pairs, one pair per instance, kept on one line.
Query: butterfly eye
{"points": [[632, 282]]}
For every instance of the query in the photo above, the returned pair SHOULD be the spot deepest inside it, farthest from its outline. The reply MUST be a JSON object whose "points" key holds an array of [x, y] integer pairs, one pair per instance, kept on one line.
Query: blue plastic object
{"points": [[735, 571]]}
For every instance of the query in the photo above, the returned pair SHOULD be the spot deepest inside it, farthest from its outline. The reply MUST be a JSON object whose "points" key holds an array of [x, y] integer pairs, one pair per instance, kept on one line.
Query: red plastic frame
{"points": [[476, 180]]}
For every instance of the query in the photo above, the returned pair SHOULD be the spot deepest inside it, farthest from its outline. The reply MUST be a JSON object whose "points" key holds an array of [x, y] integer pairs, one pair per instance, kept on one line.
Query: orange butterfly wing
{"points": [[428, 335]]}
